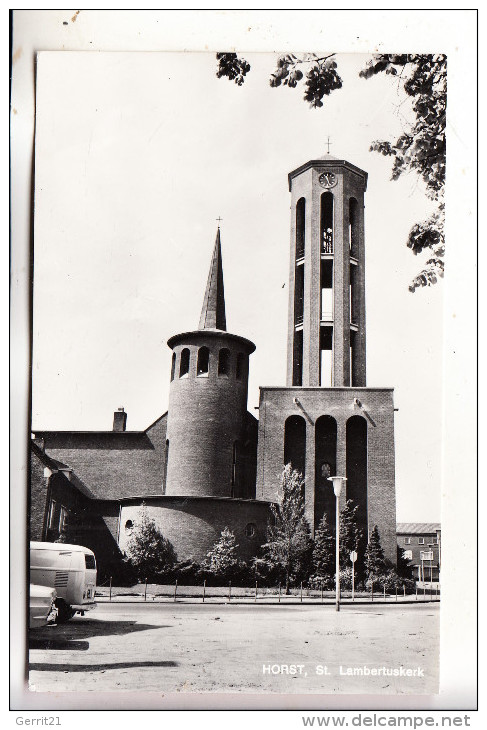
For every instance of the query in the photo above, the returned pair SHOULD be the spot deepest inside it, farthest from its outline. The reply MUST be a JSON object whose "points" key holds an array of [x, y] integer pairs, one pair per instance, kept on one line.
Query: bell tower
{"points": [[326, 326], [326, 421]]}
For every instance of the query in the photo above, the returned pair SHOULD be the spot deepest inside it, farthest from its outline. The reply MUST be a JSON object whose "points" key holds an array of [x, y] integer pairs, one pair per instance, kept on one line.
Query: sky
{"points": [[137, 155]]}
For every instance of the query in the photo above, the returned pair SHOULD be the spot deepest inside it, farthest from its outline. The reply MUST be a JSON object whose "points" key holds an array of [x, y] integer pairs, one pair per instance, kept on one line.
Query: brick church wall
{"points": [[277, 404], [193, 524]]}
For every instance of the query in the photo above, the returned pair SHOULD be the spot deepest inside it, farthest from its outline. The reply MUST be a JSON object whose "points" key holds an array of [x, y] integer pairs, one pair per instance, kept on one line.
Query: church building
{"points": [[207, 463]]}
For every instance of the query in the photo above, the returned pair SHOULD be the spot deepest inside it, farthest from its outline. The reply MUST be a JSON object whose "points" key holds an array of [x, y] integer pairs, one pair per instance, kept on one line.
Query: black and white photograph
{"points": [[249, 464]]}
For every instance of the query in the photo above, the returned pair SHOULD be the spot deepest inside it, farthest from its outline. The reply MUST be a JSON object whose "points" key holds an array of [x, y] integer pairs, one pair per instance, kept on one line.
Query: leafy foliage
{"points": [[288, 547], [149, 553], [421, 148], [324, 553], [392, 581], [221, 561], [321, 75], [350, 534], [233, 68], [375, 564], [404, 566]]}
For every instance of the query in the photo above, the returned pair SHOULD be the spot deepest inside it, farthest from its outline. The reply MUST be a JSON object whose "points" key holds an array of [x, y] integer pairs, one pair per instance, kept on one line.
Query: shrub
{"points": [[148, 551]]}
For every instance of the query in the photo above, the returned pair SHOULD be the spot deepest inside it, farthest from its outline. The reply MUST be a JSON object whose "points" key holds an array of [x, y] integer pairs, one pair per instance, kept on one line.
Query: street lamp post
{"points": [[337, 488]]}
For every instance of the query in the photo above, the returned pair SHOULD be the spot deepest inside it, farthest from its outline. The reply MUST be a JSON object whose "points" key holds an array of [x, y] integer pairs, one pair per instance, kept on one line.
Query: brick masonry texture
{"points": [[207, 416], [349, 185], [277, 404], [113, 465], [38, 495], [91, 523], [193, 525]]}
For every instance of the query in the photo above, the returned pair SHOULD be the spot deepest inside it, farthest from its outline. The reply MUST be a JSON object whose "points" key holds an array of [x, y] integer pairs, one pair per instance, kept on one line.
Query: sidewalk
{"points": [[242, 596]]}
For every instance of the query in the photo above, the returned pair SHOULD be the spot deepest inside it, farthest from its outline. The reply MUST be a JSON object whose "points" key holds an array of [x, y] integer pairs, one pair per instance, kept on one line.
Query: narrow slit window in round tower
{"points": [[184, 363], [224, 362], [203, 361]]}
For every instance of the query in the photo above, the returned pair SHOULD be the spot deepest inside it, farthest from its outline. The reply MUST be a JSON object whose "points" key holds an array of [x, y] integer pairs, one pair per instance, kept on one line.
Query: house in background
{"points": [[421, 542]]}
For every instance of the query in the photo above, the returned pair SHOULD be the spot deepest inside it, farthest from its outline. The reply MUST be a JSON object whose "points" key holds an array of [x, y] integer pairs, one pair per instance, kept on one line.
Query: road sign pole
{"points": [[353, 558]]}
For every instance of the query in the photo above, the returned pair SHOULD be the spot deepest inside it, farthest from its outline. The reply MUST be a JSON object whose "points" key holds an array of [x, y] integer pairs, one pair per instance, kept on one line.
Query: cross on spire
{"points": [[213, 311], [328, 143], [219, 219]]}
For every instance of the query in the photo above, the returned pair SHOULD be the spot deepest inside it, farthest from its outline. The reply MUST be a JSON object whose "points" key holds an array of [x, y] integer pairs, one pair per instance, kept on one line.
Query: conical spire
{"points": [[213, 311]]}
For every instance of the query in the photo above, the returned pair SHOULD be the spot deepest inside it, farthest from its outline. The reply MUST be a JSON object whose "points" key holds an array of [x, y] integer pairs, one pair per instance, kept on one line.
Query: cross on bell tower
{"points": [[326, 326]]}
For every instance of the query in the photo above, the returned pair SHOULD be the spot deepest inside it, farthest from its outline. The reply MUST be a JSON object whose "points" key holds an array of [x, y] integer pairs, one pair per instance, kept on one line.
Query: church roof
{"points": [[321, 161], [417, 528], [111, 465], [213, 310]]}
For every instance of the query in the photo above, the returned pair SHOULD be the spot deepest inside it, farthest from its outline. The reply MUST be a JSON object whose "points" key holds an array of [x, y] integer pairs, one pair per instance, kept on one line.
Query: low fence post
{"points": [[301, 591], [404, 590], [230, 590], [279, 599], [145, 590], [416, 592], [255, 598], [372, 592], [384, 593], [110, 588], [321, 592], [175, 589], [204, 590], [396, 593], [424, 591]]}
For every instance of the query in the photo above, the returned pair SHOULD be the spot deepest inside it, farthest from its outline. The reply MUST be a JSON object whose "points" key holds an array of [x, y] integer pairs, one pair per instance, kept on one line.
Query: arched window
{"points": [[356, 461], [203, 362], [300, 227], [129, 526], [325, 455], [173, 366], [184, 363], [326, 223], [295, 443], [250, 530], [241, 366], [224, 362]]}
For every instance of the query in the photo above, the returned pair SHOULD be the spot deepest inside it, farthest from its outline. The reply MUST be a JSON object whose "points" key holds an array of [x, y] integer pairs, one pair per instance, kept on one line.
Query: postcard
{"points": [[239, 328]]}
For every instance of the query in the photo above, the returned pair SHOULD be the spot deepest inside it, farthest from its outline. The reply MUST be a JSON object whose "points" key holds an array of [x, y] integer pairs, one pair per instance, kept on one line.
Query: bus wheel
{"points": [[64, 612]]}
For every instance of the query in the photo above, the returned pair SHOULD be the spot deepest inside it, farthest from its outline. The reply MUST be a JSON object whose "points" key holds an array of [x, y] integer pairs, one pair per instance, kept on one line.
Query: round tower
{"points": [[207, 416]]}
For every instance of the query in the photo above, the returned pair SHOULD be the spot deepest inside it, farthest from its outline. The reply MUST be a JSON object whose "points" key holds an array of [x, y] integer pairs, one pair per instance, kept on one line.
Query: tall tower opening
{"points": [[298, 303], [327, 292]]}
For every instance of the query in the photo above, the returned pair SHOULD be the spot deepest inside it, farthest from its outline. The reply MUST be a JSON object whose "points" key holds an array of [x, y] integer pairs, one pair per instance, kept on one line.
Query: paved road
{"points": [[172, 647]]}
